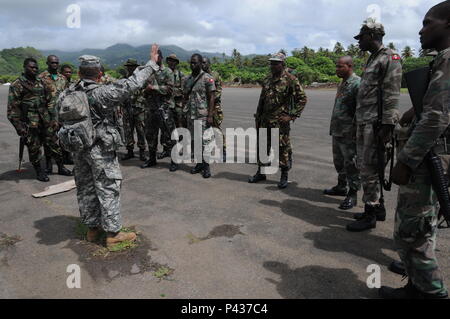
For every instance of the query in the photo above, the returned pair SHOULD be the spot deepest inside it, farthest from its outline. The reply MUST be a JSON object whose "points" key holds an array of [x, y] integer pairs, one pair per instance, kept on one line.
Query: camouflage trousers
{"points": [[153, 123], [217, 123], [285, 148], [344, 159], [98, 179], [207, 136], [415, 233], [367, 161], [134, 120], [178, 115], [45, 136]]}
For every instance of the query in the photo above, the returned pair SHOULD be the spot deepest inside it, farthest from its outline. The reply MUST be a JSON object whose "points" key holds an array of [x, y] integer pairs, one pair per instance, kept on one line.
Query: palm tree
{"points": [[407, 52], [353, 50], [338, 48], [392, 46]]}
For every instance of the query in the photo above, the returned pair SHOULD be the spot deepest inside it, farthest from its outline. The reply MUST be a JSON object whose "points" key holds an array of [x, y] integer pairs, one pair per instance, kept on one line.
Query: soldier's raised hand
{"points": [[154, 56]]}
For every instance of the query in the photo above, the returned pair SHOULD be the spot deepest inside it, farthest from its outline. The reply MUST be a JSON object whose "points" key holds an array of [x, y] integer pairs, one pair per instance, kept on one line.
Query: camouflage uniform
{"points": [[134, 119], [343, 131], [384, 65], [218, 111], [160, 96], [97, 170], [39, 119], [417, 209], [280, 96], [55, 84], [179, 115], [197, 104]]}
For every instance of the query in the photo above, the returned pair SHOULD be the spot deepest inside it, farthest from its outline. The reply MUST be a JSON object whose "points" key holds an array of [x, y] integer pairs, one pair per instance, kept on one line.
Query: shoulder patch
{"points": [[211, 80], [396, 57]]}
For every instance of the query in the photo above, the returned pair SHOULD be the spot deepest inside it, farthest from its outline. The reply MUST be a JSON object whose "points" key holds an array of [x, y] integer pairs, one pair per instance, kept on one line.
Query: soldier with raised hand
{"points": [[158, 95], [28, 112], [133, 118], [218, 111], [55, 83], [343, 131], [97, 171], [417, 208], [282, 100], [199, 92], [382, 74]]}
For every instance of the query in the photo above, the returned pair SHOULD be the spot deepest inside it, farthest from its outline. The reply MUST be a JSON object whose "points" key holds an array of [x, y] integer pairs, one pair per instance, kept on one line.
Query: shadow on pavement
{"points": [[243, 178], [27, 172], [316, 282], [310, 194], [100, 263], [334, 237]]}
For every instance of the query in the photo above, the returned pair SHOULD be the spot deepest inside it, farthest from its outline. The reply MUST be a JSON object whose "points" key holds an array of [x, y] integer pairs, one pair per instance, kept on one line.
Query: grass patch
{"points": [[163, 272], [81, 231], [8, 241], [122, 246], [404, 90], [193, 239]]}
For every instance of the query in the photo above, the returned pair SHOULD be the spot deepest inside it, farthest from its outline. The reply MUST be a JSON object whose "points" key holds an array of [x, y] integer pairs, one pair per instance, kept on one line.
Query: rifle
{"points": [[23, 142], [385, 153], [417, 82]]}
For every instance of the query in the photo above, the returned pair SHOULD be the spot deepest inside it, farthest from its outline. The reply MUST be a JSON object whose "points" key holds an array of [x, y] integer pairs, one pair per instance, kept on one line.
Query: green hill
{"points": [[116, 55]]}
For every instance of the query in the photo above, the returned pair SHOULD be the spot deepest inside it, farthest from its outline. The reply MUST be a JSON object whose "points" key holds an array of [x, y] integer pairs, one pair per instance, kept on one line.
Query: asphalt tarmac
{"points": [[215, 238]]}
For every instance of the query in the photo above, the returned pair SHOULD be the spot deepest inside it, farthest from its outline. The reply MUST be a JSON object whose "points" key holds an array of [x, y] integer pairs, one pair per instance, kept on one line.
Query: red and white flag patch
{"points": [[396, 57]]}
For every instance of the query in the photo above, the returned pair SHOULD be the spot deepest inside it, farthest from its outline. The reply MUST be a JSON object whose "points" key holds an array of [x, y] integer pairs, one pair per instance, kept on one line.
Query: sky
{"points": [[250, 26]]}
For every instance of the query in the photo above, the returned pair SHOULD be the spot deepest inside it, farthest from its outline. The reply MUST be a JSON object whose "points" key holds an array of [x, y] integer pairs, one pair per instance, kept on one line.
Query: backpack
{"points": [[77, 131]]}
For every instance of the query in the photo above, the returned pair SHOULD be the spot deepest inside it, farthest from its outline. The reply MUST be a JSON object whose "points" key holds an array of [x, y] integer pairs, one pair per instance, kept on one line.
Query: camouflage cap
{"points": [[89, 61], [280, 57], [370, 26], [131, 62], [173, 57]]}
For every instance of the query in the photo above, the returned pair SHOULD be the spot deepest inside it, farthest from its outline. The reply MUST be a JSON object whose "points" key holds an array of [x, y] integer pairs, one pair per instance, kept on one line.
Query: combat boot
{"points": [[164, 154], [41, 175], [408, 292], [129, 155], [62, 170], [48, 165], [258, 177], [197, 169], [206, 173], [368, 222], [116, 238], [173, 166], [283, 179], [92, 234], [397, 267], [338, 190], [380, 213], [151, 160], [350, 201]]}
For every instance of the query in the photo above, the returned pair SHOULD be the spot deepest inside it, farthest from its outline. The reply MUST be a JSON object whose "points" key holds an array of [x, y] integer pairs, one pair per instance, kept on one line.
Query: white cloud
{"points": [[251, 26]]}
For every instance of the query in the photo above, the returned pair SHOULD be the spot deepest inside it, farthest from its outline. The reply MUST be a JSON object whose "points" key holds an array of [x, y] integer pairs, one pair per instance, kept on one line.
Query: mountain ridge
{"points": [[117, 54]]}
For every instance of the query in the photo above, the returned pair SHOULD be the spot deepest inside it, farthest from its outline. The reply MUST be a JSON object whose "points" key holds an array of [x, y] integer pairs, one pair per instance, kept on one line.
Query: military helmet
{"points": [[89, 61], [173, 57], [370, 26], [131, 62], [280, 57]]}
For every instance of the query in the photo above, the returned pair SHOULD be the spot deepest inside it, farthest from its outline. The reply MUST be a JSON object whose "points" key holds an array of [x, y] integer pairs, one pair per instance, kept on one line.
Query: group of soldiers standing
{"points": [[365, 117], [155, 99], [164, 105]]}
